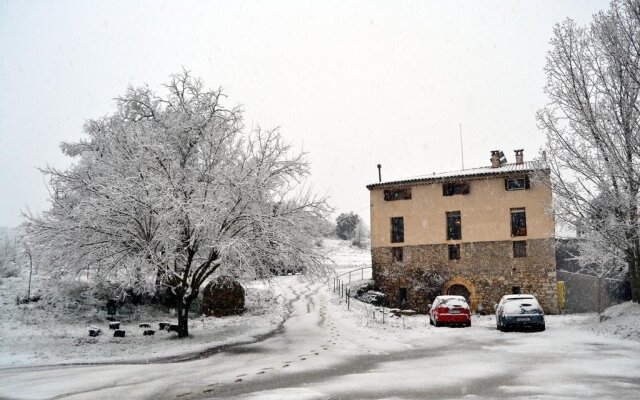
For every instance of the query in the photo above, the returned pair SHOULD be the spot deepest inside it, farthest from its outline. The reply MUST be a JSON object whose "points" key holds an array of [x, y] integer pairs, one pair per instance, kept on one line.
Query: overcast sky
{"points": [[354, 84]]}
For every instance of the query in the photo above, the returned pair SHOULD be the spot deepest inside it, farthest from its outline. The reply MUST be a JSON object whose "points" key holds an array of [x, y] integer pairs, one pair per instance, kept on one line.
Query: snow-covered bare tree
{"points": [[593, 133], [168, 190]]}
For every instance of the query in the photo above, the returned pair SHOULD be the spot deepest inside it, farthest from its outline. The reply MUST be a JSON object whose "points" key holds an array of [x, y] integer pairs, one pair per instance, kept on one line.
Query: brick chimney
{"points": [[519, 156], [495, 158]]}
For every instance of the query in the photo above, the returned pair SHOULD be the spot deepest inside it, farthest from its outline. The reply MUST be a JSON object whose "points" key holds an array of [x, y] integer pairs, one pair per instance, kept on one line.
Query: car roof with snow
{"points": [[518, 305]]}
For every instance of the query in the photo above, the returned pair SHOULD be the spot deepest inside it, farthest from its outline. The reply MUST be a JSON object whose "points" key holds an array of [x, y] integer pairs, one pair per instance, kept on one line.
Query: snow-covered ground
{"points": [[55, 329], [622, 320], [326, 351]]}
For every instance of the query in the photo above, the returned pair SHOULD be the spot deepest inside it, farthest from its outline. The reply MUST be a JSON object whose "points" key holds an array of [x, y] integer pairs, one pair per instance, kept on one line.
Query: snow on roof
{"points": [[527, 166]]}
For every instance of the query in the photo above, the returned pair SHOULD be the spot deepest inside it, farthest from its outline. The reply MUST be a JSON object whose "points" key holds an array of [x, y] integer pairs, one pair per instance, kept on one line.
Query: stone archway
{"points": [[462, 287], [459, 290]]}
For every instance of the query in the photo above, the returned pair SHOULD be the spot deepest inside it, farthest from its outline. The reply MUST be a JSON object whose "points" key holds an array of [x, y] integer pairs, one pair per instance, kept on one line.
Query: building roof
{"points": [[506, 169]]}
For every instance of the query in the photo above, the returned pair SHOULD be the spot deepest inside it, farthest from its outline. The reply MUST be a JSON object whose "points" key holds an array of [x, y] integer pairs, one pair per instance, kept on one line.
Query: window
{"points": [[454, 226], [403, 296], [520, 248], [397, 194], [454, 252], [517, 183], [397, 253], [518, 222], [450, 189], [397, 230], [515, 290]]}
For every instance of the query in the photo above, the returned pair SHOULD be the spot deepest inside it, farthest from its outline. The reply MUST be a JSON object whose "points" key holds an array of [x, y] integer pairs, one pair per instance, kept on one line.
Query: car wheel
{"points": [[541, 328], [431, 321], [467, 324], [437, 324]]}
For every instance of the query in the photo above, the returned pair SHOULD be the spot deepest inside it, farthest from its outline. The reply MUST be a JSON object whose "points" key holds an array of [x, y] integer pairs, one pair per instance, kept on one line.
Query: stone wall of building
{"points": [[487, 269]]}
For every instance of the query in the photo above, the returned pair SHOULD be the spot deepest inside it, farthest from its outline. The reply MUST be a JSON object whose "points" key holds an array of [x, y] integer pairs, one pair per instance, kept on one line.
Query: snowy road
{"points": [[324, 351]]}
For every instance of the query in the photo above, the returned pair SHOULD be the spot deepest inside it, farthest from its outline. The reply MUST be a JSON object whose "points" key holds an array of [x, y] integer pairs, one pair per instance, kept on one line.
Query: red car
{"points": [[450, 310]]}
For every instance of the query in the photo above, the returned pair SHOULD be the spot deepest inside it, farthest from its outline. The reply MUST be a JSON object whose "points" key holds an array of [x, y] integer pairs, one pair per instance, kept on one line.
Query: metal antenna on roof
{"points": [[461, 149]]}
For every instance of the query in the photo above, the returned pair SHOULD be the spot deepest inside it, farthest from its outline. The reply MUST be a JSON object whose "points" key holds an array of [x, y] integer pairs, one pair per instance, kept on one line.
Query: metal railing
{"points": [[361, 270]]}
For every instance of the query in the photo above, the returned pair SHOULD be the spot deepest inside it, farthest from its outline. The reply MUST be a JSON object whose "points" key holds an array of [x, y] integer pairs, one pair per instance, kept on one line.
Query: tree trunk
{"points": [[599, 298], [634, 277], [183, 317], [30, 273]]}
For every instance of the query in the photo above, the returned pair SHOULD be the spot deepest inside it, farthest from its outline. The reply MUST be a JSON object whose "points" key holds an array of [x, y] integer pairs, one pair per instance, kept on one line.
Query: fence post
{"points": [[348, 298], [382, 315], [361, 274], [349, 277]]}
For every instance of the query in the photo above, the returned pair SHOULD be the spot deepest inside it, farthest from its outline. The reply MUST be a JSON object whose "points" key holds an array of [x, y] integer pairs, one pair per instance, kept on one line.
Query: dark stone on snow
{"points": [[118, 333], [149, 332], [95, 332], [114, 325], [173, 328], [144, 326], [164, 326], [222, 297]]}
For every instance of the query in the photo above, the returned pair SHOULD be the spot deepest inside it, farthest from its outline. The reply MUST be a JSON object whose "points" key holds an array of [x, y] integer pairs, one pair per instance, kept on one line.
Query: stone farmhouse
{"points": [[481, 233]]}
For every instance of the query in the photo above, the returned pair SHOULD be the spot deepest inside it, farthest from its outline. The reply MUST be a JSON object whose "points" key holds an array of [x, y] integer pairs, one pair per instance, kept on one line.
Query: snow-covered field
{"points": [[55, 329], [326, 351]]}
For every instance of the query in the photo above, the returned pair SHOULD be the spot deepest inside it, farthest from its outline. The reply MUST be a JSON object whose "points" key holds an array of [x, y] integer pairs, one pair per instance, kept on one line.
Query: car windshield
{"points": [[525, 306]]}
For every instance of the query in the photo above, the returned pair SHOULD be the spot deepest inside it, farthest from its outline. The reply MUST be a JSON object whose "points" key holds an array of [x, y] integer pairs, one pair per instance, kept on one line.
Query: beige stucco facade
{"points": [[487, 266], [485, 213]]}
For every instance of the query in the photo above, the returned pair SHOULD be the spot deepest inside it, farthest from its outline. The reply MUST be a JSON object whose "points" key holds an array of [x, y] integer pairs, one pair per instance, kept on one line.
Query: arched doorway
{"points": [[462, 287], [459, 290]]}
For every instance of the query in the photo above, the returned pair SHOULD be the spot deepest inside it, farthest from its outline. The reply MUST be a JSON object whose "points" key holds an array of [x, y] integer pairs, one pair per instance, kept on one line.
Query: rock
{"points": [[173, 328], [144, 325], [118, 333], [149, 332], [164, 326], [93, 332], [114, 325], [408, 312], [222, 297]]}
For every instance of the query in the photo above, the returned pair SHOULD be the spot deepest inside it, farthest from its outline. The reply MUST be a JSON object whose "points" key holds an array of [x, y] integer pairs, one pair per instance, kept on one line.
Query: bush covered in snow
{"points": [[622, 320]]}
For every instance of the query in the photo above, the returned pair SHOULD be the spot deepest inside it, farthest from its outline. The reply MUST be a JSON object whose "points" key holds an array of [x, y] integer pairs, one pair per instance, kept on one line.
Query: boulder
{"points": [[144, 326], [118, 333], [222, 297], [149, 332], [93, 332], [164, 326], [114, 325]]}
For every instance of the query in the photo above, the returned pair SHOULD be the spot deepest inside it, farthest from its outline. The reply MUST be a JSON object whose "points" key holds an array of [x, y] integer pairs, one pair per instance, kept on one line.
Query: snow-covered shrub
{"points": [[363, 286], [428, 284], [9, 270], [372, 297]]}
